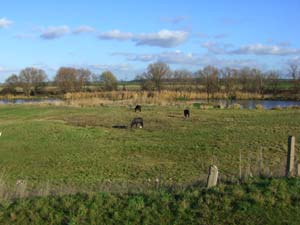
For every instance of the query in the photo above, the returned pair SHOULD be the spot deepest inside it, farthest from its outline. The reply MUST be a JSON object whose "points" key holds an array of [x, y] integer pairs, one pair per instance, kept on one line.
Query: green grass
{"points": [[77, 146], [259, 202]]}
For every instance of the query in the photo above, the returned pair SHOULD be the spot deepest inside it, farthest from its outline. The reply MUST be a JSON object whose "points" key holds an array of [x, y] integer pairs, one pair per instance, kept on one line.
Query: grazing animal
{"points": [[186, 113], [137, 121], [138, 108]]}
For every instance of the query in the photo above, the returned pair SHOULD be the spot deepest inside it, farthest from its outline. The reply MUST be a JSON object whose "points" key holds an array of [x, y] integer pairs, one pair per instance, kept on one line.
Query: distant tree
{"points": [[83, 77], [209, 76], [70, 79], [230, 81], [294, 74], [65, 79], [244, 78], [146, 84], [156, 72], [109, 81], [31, 79], [11, 83], [183, 77], [258, 81], [273, 81]]}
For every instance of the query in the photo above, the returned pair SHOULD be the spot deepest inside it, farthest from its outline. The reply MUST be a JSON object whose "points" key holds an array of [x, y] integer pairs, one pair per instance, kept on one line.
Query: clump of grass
{"points": [[259, 107], [235, 106]]}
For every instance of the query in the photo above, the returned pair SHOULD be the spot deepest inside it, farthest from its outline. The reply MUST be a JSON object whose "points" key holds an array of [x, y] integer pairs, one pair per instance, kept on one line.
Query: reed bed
{"points": [[159, 98]]}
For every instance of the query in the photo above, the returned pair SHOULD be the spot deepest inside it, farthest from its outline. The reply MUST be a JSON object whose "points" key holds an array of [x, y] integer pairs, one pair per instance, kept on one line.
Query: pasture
{"points": [[77, 146]]}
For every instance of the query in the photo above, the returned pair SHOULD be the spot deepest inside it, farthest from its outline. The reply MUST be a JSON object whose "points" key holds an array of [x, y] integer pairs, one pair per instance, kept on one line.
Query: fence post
{"points": [[212, 179], [290, 167]]}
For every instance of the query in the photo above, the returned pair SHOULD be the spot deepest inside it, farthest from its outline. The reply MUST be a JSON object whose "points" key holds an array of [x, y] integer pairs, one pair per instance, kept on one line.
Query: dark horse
{"points": [[138, 108], [137, 121], [186, 113]]}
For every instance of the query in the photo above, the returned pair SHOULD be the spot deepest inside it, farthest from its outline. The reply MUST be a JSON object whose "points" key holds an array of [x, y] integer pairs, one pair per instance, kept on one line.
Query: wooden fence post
{"points": [[213, 174], [290, 167]]}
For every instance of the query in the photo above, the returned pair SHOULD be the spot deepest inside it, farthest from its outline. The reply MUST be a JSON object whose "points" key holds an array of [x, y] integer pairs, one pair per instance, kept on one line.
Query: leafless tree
{"points": [[109, 81], [156, 72], [229, 78], [183, 77], [273, 80], [70, 79], [65, 79], [83, 77], [209, 76], [31, 79], [294, 74], [11, 83]]}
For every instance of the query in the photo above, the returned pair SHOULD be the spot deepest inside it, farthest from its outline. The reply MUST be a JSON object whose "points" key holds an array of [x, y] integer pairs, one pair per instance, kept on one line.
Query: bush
{"points": [[259, 107], [235, 106]]}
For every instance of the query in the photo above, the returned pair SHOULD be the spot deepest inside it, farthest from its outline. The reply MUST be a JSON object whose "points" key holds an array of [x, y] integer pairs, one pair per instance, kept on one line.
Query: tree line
{"points": [[159, 76], [67, 79]]}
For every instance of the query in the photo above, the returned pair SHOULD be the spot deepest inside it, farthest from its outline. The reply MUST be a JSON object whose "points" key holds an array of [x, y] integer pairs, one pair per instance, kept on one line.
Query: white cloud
{"points": [[116, 35], [253, 49], [4, 23], [163, 38], [216, 48], [174, 57], [55, 32], [294, 60], [83, 29], [284, 44], [189, 59], [260, 49]]}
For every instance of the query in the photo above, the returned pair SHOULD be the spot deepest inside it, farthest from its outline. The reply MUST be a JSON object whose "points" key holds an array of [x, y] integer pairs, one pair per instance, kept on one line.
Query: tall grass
{"points": [[144, 97]]}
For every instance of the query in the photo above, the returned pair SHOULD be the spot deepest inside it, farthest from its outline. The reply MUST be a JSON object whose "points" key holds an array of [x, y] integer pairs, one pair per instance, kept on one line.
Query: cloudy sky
{"points": [[126, 35]]}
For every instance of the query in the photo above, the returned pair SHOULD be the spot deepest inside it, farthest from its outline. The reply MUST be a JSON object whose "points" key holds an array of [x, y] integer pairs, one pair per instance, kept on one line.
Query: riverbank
{"points": [[259, 202], [163, 96]]}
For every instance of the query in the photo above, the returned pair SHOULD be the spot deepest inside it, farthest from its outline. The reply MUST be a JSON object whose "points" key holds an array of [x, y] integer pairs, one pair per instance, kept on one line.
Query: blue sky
{"points": [[125, 36]]}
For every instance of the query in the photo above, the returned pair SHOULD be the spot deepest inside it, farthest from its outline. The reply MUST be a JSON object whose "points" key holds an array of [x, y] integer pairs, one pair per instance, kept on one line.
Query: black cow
{"points": [[186, 113], [137, 121], [138, 108]]}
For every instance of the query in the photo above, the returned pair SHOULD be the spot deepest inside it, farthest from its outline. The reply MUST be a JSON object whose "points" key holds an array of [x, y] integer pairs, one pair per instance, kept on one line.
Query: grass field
{"points": [[77, 147]]}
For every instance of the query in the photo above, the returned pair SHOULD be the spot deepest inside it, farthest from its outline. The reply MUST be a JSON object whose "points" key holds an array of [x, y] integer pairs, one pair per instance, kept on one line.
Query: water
{"points": [[250, 104], [246, 104], [21, 101]]}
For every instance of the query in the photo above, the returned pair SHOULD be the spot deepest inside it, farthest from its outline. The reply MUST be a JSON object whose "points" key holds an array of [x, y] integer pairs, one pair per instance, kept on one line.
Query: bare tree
{"points": [[109, 80], [83, 77], [209, 75], [229, 78], [156, 72], [244, 78], [65, 79], [258, 78], [294, 74], [183, 77], [11, 83], [146, 84], [273, 81], [31, 79], [69, 79]]}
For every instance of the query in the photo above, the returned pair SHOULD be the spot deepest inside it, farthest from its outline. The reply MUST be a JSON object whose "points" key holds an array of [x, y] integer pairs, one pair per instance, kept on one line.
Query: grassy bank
{"points": [[268, 201]]}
